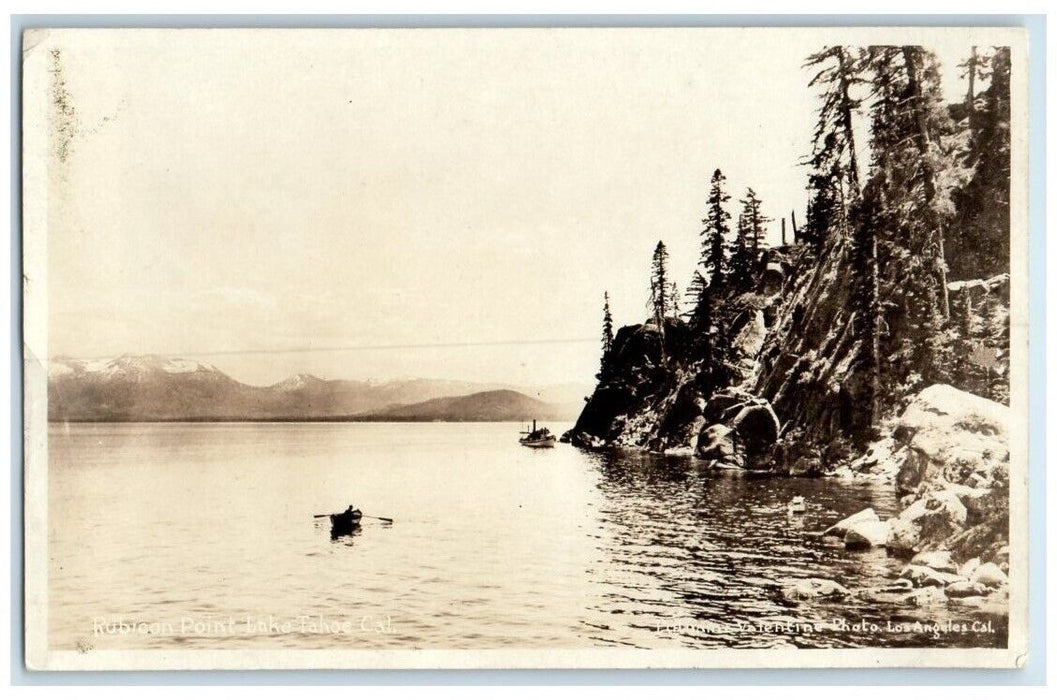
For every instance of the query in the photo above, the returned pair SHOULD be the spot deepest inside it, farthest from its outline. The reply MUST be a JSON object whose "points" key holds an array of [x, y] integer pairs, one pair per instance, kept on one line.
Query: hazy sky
{"points": [[267, 191]]}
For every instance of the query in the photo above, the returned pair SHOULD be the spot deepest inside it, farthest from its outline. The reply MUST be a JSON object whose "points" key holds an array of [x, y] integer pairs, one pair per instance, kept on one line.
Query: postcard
{"points": [[525, 348]]}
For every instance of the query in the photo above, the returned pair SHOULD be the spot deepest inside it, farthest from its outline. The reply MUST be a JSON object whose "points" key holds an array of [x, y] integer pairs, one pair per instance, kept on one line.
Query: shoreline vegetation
{"points": [[873, 343]]}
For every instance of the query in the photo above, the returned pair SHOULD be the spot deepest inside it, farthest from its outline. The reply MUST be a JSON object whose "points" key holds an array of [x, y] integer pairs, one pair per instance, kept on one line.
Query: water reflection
{"points": [[495, 545], [699, 557]]}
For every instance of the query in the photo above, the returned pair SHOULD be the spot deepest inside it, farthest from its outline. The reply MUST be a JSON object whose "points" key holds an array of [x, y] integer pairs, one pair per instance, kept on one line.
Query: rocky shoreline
{"points": [[948, 456], [947, 459]]}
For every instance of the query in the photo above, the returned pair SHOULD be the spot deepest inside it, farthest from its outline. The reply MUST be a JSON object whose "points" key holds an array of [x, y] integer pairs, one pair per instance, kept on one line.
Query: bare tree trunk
{"points": [[846, 123]]}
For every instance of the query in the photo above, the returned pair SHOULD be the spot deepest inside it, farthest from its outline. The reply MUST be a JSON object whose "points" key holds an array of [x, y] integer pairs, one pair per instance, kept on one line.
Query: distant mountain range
{"points": [[499, 405], [154, 388]]}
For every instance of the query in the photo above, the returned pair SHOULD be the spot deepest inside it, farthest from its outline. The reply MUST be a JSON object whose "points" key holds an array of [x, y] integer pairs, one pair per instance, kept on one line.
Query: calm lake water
{"points": [[202, 536]]}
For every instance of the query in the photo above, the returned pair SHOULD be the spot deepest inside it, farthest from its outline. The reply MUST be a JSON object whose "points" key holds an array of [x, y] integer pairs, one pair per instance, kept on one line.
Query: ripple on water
{"points": [[492, 547]]}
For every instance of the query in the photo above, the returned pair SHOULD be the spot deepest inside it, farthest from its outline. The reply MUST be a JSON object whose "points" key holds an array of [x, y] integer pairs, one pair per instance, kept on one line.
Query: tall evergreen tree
{"points": [[607, 327], [913, 176], [757, 222], [660, 285], [697, 292], [740, 262], [981, 226], [834, 180], [714, 235], [973, 68], [925, 100], [706, 341]]}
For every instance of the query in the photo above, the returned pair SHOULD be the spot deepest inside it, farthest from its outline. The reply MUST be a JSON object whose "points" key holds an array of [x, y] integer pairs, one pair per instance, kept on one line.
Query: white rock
{"points": [[938, 561], [969, 567], [989, 575], [930, 519], [865, 534], [840, 529], [955, 433], [923, 576], [965, 589], [808, 588]]}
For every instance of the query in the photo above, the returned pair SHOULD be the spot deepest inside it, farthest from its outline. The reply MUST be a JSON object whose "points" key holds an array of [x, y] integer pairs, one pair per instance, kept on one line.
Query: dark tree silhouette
{"points": [[714, 235], [834, 180], [660, 285]]}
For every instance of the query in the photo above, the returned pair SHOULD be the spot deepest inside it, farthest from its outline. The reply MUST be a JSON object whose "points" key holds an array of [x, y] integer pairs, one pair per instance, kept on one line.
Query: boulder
{"points": [[965, 589], [866, 534], [840, 529], [966, 570], [953, 436], [989, 575], [899, 585], [717, 442], [716, 407], [757, 425], [982, 540], [938, 561], [811, 588], [923, 576], [927, 522]]}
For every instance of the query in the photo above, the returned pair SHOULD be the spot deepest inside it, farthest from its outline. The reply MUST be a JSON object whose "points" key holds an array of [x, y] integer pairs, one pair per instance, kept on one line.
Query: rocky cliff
{"points": [[773, 384]]}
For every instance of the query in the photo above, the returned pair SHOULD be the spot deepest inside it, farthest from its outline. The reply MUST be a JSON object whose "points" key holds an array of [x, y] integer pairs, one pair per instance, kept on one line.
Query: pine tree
{"points": [[973, 69], [834, 180], [757, 221], [700, 312], [981, 226], [866, 321], [913, 175], [740, 261], [924, 97], [714, 235], [660, 285], [607, 337], [745, 251], [704, 343]]}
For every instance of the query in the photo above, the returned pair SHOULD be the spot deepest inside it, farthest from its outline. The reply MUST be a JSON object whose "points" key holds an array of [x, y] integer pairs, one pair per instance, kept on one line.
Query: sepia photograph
{"points": [[525, 348]]}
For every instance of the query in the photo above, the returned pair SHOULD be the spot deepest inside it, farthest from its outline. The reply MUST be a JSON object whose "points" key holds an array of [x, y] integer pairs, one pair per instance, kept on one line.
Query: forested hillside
{"points": [[792, 357]]}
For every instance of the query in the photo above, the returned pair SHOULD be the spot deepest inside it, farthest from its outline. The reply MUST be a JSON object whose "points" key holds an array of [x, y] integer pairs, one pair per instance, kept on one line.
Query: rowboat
{"points": [[345, 522], [538, 438]]}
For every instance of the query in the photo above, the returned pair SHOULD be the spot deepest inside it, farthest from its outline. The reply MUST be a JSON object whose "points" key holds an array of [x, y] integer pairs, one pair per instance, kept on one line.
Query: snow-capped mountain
{"points": [[299, 382], [151, 387], [126, 366]]}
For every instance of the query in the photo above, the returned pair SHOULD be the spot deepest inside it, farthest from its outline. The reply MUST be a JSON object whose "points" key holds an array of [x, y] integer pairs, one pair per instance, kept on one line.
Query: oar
{"points": [[388, 520]]}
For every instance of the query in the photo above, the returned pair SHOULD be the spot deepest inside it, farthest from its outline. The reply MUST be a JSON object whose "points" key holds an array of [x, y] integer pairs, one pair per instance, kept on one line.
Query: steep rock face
{"points": [[787, 345], [643, 398], [805, 361]]}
